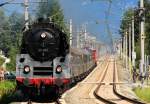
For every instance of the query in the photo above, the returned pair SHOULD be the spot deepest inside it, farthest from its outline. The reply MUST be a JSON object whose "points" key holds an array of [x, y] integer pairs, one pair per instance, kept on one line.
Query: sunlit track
{"points": [[115, 79], [82, 93], [107, 92]]}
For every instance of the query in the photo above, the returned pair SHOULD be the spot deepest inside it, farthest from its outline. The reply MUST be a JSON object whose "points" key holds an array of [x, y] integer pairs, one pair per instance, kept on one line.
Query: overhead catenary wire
{"points": [[107, 22], [106, 17], [11, 2], [7, 2]]}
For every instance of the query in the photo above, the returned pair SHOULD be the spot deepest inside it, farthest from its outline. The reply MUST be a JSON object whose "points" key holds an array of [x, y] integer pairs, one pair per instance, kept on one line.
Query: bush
{"points": [[143, 93], [6, 86], [7, 92], [10, 66], [2, 60], [12, 55]]}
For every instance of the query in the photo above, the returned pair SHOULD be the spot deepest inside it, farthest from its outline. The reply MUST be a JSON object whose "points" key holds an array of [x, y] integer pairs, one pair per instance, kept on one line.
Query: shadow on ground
{"points": [[18, 97]]}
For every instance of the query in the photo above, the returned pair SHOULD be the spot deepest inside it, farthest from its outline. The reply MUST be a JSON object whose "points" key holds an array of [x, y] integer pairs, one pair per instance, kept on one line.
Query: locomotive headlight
{"points": [[43, 35], [26, 70], [58, 69]]}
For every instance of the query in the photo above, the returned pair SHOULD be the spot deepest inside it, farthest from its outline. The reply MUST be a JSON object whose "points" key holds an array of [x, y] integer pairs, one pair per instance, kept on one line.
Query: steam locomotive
{"points": [[47, 64]]}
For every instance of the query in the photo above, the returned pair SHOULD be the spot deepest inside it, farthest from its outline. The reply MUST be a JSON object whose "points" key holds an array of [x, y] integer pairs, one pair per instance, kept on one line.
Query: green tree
{"points": [[126, 20], [10, 35], [12, 55], [147, 26], [124, 25], [53, 11], [16, 21], [4, 32]]}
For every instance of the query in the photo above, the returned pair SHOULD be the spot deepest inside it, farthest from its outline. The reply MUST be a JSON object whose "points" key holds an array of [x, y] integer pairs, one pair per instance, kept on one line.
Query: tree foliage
{"points": [[2, 60], [147, 26], [127, 20], [10, 35], [53, 11], [4, 32], [11, 27], [17, 23]]}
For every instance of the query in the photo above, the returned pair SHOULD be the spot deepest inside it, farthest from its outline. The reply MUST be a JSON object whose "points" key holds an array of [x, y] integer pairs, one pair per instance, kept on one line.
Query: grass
{"points": [[6, 86], [143, 93], [6, 91], [2, 60]]}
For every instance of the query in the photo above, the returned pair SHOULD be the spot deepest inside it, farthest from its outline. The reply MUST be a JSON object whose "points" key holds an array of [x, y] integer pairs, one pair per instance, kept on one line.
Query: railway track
{"points": [[60, 101], [82, 93], [108, 93]]}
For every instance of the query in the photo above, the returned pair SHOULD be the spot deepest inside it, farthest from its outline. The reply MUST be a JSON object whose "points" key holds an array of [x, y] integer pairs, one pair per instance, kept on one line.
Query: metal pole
{"points": [[85, 35], [70, 30], [147, 61], [142, 35], [133, 48], [129, 45], [121, 48], [26, 14], [78, 39], [126, 49]]}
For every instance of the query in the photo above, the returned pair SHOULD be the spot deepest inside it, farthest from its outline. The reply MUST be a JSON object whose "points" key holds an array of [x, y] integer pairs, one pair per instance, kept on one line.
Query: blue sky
{"points": [[88, 12]]}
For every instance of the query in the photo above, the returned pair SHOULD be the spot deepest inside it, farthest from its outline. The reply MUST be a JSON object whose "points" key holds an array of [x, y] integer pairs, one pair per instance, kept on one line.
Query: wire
{"points": [[107, 22], [29, 2], [11, 2], [7, 2]]}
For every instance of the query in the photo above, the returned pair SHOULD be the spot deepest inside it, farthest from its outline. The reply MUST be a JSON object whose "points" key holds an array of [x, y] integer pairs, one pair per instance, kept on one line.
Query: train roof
{"points": [[78, 51]]}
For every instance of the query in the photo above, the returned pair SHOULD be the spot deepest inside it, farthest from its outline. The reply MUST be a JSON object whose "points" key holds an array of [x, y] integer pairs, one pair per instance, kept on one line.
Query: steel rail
{"points": [[134, 101], [98, 87]]}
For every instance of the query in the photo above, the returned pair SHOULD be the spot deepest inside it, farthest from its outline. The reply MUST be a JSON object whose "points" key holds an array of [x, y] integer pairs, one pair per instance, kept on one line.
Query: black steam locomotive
{"points": [[46, 64]]}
